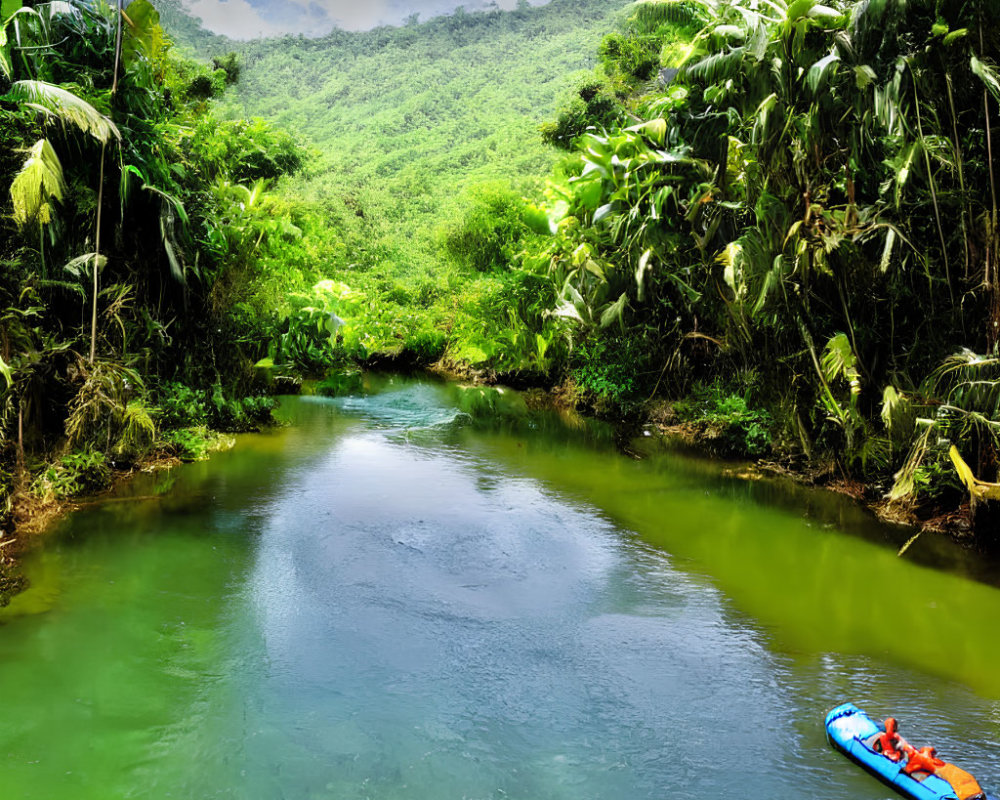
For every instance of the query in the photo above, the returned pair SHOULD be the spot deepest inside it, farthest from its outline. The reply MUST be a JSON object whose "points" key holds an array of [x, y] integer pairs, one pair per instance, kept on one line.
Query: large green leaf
{"points": [[80, 266], [655, 129], [614, 312], [144, 34], [65, 106], [839, 361], [589, 192], [979, 490], [168, 220], [864, 76], [987, 74], [824, 13], [640, 274], [38, 183], [954, 36], [5, 66], [897, 414], [822, 71], [7, 9]]}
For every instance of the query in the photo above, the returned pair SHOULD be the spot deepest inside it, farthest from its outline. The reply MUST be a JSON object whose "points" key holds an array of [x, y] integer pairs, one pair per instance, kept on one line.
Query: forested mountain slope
{"points": [[403, 119], [262, 19], [187, 32]]}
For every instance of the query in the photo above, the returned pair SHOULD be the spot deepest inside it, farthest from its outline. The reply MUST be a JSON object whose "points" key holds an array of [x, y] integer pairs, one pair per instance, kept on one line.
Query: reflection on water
{"points": [[429, 592]]}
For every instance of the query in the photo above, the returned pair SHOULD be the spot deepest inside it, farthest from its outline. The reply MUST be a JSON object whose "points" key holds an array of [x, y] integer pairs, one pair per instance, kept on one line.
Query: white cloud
{"points": [[242, 19], [235, 18]]}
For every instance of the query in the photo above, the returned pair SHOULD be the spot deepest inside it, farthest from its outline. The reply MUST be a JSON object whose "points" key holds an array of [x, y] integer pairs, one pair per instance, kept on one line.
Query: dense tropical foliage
{"points": [[424, 141], [803, 215], [156, 287], [130, 222]]}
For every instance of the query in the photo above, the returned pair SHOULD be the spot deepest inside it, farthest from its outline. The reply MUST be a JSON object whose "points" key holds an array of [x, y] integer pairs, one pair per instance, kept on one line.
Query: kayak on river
{"points": [[879, 748]]}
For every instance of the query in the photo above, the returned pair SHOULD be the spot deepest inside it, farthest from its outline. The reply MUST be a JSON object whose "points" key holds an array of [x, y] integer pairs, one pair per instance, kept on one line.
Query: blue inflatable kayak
{"points": [[858, 737]]}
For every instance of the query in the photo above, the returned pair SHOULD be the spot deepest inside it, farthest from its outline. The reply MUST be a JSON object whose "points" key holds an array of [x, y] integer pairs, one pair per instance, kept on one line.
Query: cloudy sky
{"points": [[248, 19]]}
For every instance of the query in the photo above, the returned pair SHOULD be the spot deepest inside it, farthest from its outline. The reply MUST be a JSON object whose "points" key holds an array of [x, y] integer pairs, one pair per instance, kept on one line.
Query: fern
{"points": [[138, 432], [100, 404], [649, 14]]}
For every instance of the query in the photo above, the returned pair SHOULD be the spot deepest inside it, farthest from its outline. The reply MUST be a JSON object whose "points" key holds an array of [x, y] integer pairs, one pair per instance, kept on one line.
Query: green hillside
{"points": [[404, 119]]}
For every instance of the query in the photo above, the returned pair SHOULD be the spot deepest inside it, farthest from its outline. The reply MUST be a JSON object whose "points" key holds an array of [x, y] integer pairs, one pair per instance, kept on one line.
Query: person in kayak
{"points": [[925, 759], [889, 743]]}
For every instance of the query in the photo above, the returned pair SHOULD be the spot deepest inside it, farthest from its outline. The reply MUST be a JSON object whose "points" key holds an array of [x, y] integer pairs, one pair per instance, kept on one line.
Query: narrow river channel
{"points": [[399, 596]]}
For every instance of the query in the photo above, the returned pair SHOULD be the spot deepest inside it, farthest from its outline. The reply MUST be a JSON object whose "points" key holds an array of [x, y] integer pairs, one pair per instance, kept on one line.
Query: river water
{"points": [[426, 592]]}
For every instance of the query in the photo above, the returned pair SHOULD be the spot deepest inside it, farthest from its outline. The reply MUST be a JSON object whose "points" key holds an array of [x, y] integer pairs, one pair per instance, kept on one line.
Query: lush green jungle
{"points": [[770, 225]]}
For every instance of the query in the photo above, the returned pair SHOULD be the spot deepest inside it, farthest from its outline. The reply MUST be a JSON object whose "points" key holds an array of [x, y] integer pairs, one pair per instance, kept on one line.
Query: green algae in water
{"points": [[808, 584]]}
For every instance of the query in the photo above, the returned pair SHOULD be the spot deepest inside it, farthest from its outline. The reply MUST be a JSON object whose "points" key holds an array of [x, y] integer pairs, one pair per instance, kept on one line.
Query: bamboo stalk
{"points": [[933, 187], [20, 436], [97, 256], [990, 276], [100, 196], [961, 172], [118, 49]]}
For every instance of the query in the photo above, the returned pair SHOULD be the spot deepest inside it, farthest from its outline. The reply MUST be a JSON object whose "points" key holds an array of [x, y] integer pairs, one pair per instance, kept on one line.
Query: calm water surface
{"points": [[423, 593]]}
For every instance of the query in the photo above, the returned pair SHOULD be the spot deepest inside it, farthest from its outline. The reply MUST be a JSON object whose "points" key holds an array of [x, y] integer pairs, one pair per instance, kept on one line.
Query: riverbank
{"points": [[713, 435], [709, 438], [32, 513], [34, 510]]}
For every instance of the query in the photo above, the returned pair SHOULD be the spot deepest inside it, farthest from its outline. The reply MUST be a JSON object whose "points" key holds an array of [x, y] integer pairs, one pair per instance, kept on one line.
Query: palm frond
{"points": [[80, 266], [138, 431], [652, 13], [100, 403], [988, 74], [822, 72], [5, 66], [898, 414], [613, 312], [839, 360], [66, 107], [905, 480], [718, 67], [168, 219], [171, 212]]}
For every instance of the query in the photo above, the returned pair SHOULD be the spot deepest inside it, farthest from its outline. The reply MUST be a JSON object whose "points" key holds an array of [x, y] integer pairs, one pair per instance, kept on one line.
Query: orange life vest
{"points": [[922, 760], [888, 739]]}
